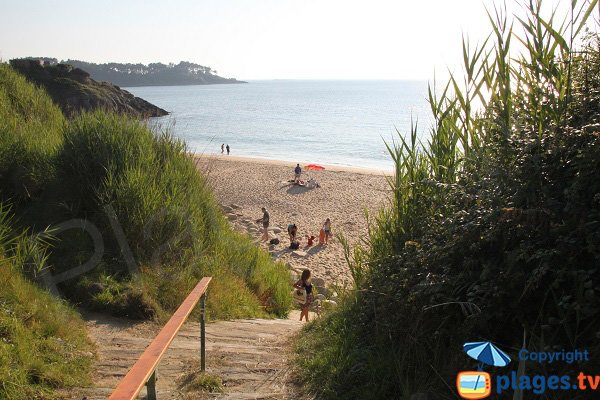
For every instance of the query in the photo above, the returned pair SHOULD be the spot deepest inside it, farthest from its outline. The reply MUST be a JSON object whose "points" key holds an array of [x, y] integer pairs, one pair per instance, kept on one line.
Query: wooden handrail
{"points": [[142, 371]]}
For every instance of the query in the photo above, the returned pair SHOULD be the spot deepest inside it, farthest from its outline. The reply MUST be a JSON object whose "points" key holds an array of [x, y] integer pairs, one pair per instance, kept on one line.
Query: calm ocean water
{"points": [[329, 122]]}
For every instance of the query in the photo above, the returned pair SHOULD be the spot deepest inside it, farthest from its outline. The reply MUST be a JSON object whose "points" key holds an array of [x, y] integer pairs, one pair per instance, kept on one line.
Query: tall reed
{"points": [[473, 244]]}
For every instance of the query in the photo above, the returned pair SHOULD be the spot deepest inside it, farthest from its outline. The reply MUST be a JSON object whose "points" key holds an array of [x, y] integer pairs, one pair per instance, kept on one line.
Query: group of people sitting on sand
{"points": [[311, 183]]}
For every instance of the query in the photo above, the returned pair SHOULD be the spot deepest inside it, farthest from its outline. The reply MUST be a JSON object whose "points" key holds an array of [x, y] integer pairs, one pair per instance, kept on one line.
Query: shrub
{"points": [[494, 230]]}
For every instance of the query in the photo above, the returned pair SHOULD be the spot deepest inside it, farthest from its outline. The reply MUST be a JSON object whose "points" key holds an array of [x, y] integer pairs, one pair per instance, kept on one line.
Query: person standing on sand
{"points": [[265, 224], [305, 284], [227, 147], [292, 230], [327, 230], [297, 173], [222, 148]]}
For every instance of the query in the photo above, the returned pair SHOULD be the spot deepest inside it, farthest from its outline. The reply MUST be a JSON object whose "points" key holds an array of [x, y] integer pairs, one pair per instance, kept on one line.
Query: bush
{"points": [[494, 230]]}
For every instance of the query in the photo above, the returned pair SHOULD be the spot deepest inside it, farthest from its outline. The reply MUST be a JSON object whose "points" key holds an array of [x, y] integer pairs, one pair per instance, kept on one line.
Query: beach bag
{"points": [[299, 295], [274, 241], [295, 245]]}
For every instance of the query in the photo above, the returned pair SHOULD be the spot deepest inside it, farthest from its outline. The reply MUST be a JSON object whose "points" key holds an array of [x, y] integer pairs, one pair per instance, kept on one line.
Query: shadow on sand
{"points": [[297, 189], [312, 250]]}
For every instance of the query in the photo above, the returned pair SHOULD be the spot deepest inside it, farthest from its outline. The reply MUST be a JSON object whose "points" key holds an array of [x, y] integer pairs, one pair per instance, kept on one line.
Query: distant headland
{"points": [[153, 74], [74, 91]]}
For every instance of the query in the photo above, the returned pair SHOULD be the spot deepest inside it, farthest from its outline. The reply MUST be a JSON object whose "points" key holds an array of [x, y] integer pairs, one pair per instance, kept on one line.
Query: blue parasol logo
{"points": [[486, 353]]}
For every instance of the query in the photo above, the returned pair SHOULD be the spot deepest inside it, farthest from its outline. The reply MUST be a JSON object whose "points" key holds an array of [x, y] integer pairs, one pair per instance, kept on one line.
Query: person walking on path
{"points": [[297, 173], [327, 230], [227, 147], [305, 284], [265, 224], [222, 148]]}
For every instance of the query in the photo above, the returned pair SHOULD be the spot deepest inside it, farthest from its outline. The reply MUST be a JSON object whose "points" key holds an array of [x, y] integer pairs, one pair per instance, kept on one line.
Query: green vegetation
{"points": [[203, 381], [25, 154], [43, 343], [494, 232], [160, 226], [170, 222], [105, 188]]}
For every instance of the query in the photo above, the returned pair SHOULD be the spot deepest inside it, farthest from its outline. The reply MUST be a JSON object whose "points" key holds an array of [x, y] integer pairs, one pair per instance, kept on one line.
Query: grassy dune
{"points": [[143, 199]]}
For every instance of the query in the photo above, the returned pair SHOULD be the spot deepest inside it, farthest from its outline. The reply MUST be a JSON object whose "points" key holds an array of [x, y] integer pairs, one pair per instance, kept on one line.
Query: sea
{"points": [[342, 123]]}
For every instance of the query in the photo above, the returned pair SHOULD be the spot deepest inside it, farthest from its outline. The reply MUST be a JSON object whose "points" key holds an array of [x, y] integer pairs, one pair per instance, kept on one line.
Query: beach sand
{"points": [[244, 185]]}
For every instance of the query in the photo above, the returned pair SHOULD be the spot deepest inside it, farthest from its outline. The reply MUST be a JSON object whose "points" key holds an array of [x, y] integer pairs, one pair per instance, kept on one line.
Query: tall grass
{"points": [[474, 246], [43, 343], [160, 227], [169, 218], [30, 132]]}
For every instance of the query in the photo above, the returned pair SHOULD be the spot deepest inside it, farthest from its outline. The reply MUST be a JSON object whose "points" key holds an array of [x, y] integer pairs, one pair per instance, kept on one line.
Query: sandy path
{"points": [[250, 184]]}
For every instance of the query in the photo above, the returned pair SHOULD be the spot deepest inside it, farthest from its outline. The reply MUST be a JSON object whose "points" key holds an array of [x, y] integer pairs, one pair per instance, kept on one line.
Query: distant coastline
{"points": [[153, 74]]}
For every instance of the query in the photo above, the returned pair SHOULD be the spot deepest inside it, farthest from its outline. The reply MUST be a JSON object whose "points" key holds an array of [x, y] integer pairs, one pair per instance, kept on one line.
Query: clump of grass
{"points": [[488, 234], [170, 221], [203, 381], [43, 343], [30, 133]]}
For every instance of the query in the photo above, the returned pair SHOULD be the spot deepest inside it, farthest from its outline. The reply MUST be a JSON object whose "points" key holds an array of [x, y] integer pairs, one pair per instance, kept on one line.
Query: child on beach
{"points": [[327, 230], [227, 147], [222, 148], [292, 229], [305, 284]]}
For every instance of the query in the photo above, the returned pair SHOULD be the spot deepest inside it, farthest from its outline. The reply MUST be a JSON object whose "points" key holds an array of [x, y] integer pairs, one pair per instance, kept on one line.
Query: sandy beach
{"points": [[244, 185]]}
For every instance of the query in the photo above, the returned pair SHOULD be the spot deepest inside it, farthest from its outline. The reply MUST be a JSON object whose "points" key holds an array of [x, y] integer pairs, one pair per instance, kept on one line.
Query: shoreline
{"points": [[291, 164]]}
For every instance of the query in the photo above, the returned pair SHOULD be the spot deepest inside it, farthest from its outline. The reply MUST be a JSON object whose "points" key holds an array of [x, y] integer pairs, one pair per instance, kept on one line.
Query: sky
{"points": [[253, 39]]}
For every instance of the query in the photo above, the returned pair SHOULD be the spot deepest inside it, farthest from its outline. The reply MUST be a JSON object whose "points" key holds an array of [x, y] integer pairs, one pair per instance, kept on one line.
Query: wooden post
{"points": [[151, 386], [203, 333]]}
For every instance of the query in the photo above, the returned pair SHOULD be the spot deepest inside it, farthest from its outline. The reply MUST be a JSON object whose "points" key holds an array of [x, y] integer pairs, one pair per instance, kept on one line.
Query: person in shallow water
{"points": [[227, 147], [222, 148]]}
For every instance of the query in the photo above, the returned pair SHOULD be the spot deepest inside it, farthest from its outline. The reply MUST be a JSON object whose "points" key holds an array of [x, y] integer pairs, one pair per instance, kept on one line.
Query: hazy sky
{"points": [[252, 39]]}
